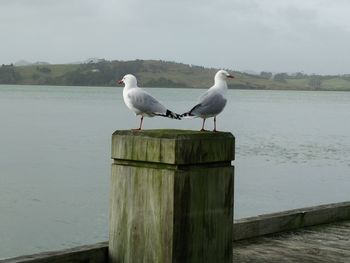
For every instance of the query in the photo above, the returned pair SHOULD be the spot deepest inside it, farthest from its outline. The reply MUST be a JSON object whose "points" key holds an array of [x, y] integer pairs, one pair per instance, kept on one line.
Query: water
{"points": [[293, 150]]}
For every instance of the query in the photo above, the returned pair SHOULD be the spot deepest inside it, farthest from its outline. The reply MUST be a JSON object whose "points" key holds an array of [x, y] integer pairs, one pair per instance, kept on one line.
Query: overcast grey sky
{"points": [[261, 35]]}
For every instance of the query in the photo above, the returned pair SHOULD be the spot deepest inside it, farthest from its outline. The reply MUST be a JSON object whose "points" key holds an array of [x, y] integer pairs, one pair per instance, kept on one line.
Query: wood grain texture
{"points": [[141, 213], [160, 215], [171, 197], [96, 253], [203, 215], [289, 220], [318, 244]]}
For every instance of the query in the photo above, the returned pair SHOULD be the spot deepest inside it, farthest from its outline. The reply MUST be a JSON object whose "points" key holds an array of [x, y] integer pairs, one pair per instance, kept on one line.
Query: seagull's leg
{"points": [[215, 125], [141, 123], [203, 125], [138, 129]]}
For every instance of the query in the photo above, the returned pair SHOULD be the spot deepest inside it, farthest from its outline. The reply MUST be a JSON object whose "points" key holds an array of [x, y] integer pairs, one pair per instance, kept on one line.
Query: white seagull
{"points": [[141, 102], [213, 101]]}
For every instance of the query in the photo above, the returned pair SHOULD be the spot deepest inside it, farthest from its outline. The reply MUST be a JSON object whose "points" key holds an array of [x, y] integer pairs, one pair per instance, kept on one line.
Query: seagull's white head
{"points": [[223, 75], [128, 80]]}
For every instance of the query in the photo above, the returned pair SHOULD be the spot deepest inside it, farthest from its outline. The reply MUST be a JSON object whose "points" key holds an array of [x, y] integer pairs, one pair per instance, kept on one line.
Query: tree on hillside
{"points": [[103, 73], [315, 82], [9, 75], [300, 75], [45, 70], [266, 75], [281, 77], [346, 77]]}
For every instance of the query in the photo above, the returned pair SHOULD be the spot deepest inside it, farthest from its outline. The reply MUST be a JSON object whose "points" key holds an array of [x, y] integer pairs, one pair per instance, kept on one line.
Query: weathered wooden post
{"points": [[171, 196]]}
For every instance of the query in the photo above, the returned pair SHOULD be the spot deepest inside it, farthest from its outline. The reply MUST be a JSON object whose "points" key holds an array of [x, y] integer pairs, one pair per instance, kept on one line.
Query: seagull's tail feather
{"points": [[170, 114], [190, 114], [187, 115]]}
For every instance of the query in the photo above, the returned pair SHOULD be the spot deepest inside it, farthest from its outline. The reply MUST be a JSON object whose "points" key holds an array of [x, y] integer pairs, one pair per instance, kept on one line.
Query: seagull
{"points": [[213, 101], [141, 102]]}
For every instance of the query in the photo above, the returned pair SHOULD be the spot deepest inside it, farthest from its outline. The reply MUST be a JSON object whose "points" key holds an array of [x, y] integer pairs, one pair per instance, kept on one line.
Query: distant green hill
{"points": [[156, 73]]}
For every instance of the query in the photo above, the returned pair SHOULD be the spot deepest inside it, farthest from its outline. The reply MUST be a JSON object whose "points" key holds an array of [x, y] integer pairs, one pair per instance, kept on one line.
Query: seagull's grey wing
{"points": [[145, 103], [210, 103], [204, 96]]}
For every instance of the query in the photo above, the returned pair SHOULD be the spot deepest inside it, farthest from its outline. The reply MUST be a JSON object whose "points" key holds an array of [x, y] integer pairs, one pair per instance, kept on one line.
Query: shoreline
{"points": [[158, 87]]}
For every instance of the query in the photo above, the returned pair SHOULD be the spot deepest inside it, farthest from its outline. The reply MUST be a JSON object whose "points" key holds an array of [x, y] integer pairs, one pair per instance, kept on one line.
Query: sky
{"points": [[311, 36]]}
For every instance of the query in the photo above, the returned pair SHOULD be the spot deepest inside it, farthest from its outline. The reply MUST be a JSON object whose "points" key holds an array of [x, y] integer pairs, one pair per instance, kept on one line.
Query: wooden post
{"points": [[171, 196]]}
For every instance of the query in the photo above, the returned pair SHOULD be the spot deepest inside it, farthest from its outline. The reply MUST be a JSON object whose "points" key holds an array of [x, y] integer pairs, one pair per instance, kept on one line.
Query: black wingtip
{"points": [[186, 114], [189, 113], [172, 115]]}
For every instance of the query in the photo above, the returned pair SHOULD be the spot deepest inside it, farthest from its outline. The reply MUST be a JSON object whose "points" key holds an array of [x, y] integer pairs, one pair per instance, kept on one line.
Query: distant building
{"points": [[94, 60]]}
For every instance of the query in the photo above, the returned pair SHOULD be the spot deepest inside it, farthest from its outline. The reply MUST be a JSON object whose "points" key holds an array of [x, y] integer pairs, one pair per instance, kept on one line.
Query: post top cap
{"points": [[171, 146], [173, 133]]}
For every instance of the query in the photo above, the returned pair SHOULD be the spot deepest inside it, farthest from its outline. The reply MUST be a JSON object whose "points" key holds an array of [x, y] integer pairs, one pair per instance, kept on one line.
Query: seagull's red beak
{"points": [[120, 81], [230, 77]]}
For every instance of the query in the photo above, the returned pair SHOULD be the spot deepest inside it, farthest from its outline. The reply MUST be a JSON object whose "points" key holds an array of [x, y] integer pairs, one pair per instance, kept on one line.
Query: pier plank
{"points": [[317, 244]]}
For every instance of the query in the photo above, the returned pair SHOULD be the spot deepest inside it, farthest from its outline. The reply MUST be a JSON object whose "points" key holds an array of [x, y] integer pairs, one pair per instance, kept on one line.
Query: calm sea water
{"points": [[293, 150]]}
